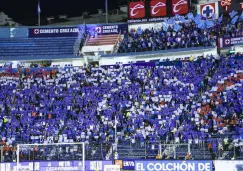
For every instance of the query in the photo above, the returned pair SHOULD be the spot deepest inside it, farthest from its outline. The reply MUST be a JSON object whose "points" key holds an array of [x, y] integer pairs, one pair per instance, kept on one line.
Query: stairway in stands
{"points": [[102, 40]]}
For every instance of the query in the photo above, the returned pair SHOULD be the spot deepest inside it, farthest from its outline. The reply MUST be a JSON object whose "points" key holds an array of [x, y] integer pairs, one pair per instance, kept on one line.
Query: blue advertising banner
{"points": [[128, 164], [4, 32], [19, 32], [54, 32], [107, 29], [229, 41], [57, 165], [173, 165]]}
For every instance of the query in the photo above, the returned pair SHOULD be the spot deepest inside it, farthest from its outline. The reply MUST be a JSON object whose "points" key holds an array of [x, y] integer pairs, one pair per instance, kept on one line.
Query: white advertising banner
{"points": [[111, 168], [156, 26], [229, 165]]}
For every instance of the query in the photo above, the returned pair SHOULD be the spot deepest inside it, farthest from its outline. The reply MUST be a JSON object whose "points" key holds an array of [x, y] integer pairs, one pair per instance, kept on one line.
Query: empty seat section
{"points": [[36, 46]]}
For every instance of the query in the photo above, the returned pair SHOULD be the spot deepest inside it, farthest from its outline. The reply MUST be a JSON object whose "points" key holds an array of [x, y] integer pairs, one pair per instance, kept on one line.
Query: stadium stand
{"points": [[37, 46], [151, 39], [22, 47], [191, 101], [171, 102], [102, 40], [189, 35]]}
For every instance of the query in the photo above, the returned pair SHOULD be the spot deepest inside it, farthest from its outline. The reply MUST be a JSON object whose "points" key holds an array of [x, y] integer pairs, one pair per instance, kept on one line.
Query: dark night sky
{"points": [[24, 10]]}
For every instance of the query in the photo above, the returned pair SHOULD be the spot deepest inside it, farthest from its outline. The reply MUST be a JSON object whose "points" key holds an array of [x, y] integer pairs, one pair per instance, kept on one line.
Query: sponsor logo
{"points": [[208, 11], [98, 29], [225, 3], [128, 163], [180, 6], [227, 41], [158, 8], [136, 9], [36, 31]]}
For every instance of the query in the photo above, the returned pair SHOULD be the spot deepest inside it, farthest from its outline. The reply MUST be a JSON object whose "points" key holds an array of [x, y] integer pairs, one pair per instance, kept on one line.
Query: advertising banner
{"points": [[128, 164], [112, 168], [208, 10], [18, 32], [180, 7], [173, 165], [4, 32], [54, 32], [119, 163], [136, 10], [107, 29], [55, 165], [226, 6], [229, 41], [234, 165], [69, 168], [156, 10]]}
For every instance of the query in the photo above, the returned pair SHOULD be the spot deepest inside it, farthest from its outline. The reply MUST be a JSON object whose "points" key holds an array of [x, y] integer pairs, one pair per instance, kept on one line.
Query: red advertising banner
{"points": [[180, 7], [158, 8], [136, 10]]}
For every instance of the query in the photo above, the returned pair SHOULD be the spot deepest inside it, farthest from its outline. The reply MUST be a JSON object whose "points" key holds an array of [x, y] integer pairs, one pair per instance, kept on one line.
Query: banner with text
{"points": [[226, 6], [54, 32], [107, 29], [57, 166], [234, 165], [173, 165], [112, 168], [229, 41], [128, 164]]}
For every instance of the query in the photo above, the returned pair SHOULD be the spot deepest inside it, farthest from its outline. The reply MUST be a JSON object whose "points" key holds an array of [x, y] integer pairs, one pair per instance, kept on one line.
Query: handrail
{"points": [[78, 41], [86, 41], [116, 44]]}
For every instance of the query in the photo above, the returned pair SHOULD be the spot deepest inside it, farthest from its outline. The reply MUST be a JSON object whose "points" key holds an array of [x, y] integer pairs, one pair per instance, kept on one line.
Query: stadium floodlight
{"points": [[77, 149]]}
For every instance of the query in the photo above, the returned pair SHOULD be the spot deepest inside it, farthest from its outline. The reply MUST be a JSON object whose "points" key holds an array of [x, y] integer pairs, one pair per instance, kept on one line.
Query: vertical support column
{"points": [[17, 157], [1, 154], [160, 150], [189, 149], [38, 19], [83, 156], [203, 149], [174, 149], [106, 8], [85, 60], [145, 149], [115, 131]]}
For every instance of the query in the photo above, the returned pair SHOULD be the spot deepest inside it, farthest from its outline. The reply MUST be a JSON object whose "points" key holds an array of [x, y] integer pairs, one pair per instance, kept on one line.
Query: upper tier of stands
{"points": [[135, 40]]}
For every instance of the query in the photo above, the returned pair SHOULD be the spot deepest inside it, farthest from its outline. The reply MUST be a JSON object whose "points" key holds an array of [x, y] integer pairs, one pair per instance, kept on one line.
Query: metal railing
{"points": [[128, 149], [116, 47], [76, 46]]}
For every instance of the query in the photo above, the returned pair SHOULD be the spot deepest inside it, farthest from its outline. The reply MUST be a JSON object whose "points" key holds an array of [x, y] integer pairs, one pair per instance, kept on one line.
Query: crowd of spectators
{"points": [[190, 35], [186, 103], [158, 39]]}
